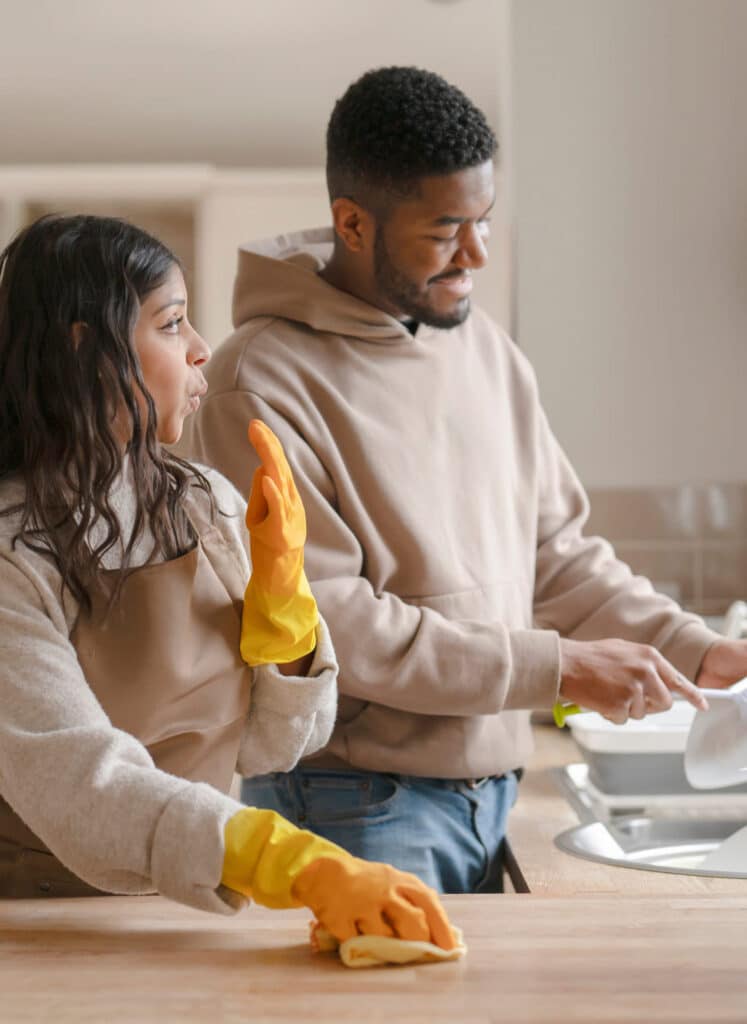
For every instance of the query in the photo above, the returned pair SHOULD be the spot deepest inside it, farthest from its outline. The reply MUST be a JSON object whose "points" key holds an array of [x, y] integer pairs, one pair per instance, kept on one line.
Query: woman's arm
{"points": [[299, 667], [89, 791]]}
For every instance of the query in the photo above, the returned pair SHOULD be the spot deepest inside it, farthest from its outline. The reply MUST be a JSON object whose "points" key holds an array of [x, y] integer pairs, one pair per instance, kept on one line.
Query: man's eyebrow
{"points": [[171, 302], [443, 221]]}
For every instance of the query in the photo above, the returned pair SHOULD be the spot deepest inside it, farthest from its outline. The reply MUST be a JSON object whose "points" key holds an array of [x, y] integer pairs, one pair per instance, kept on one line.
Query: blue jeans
{"points": [[448, 832]]}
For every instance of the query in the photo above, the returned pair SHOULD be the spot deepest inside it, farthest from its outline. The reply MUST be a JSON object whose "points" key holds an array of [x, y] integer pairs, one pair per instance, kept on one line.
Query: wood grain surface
{"points": [[589, 943], [111, 960]]}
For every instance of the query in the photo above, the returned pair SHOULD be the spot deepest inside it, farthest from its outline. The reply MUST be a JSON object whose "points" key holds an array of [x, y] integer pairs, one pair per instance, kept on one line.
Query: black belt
{"points": [[476, 783]]}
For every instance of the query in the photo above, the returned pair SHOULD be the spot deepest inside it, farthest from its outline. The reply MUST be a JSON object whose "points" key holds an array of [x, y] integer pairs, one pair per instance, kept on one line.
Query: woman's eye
{"points": [[172, 327]]}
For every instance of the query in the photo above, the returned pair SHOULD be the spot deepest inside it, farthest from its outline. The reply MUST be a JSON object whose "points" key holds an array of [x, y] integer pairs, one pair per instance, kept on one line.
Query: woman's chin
{"points": [[170, 435]]}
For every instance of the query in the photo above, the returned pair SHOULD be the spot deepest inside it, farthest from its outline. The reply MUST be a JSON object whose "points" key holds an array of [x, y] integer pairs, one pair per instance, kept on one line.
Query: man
{"points": [[445, 525]]}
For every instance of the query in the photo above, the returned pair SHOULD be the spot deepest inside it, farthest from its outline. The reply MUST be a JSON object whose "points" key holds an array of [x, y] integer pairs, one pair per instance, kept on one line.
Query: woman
{"points": [[125, 705]]}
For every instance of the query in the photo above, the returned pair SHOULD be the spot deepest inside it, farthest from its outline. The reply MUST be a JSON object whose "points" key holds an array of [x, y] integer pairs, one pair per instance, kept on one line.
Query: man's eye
{"points": [[440, 238]]}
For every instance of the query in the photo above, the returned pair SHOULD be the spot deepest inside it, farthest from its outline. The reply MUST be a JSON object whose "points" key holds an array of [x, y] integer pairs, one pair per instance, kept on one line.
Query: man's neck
{"points": [[340, 274]]}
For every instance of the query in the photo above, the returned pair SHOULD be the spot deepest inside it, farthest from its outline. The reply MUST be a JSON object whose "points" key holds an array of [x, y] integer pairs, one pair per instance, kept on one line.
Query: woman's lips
{"points": [[194, 399]]}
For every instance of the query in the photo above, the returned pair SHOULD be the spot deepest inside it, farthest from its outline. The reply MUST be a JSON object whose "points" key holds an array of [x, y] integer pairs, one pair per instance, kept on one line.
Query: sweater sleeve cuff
{"points": [[188, 849], [687, 648], [535, 671], [299, 695]]}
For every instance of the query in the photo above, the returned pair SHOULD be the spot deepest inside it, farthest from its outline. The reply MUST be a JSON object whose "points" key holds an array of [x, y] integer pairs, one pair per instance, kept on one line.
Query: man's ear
{"points": [[353, 224]]}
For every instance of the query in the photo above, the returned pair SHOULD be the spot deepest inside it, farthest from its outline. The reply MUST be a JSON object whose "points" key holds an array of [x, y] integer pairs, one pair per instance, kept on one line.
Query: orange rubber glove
{"points": [[279, 866], [280, 615], [349, 897]]}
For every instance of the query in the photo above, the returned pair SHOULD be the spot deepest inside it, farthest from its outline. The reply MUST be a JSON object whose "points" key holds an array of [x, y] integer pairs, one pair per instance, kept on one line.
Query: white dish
{"points": [[716, 751]]}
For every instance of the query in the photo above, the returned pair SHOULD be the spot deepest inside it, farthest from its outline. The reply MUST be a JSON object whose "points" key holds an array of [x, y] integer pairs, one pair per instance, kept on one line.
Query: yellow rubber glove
{"points": [[279, 866], [280, 615], [264, 854]]}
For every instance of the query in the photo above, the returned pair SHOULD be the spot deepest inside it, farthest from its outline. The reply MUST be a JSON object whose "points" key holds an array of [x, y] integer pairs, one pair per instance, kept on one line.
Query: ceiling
{"points": [[229, 82]]}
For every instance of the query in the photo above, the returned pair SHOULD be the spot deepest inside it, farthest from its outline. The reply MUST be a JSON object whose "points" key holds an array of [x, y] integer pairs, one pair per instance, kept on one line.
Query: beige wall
{"points": [[630, 141]]}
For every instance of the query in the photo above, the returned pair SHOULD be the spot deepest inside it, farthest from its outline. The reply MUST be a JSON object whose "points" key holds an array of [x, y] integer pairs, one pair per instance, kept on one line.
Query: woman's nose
{"points": [[199, 350]]}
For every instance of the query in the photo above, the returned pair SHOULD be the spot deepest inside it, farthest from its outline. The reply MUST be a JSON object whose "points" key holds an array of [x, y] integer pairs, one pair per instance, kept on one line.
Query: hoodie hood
{"points": [[279, 277]]}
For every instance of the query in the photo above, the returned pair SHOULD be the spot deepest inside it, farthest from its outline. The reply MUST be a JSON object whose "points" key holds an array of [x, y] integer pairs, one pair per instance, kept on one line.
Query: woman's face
{"points": [[171, 355]]}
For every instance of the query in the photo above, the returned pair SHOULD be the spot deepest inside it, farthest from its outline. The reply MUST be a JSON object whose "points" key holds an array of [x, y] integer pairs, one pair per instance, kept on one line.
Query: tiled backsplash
{"points": [[691, 538]]}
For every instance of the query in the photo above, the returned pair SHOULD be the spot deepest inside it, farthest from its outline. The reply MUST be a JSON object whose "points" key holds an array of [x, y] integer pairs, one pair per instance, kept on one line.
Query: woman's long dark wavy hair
{"points": [[70, 294]]}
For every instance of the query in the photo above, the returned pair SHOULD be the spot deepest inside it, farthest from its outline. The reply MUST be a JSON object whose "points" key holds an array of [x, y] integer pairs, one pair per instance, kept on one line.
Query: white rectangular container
{"points": [[645, 756]]}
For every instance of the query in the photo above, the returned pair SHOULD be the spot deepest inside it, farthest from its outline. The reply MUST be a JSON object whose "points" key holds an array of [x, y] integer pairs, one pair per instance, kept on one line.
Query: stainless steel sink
{"points": [[675, 842], [677, 846]]}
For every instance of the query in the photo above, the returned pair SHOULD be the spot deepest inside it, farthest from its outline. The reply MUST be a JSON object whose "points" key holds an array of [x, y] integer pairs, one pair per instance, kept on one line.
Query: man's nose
{"points": [[472, 253]]}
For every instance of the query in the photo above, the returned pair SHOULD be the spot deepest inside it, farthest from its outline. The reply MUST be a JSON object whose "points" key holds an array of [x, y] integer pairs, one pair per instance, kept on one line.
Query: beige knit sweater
{"points": [[91, 792], [446, 545]]}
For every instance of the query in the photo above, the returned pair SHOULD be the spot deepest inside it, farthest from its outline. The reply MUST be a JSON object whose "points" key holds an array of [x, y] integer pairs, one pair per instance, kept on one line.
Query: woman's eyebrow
{"points": [[171, 302]]}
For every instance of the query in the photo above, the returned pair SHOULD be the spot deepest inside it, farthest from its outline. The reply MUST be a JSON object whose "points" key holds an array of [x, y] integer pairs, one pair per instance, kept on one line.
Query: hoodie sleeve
{"points": [[583, 591], [390, 652]]}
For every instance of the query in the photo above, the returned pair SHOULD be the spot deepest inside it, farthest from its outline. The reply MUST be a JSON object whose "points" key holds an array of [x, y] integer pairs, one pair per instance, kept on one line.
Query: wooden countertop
{"points": [[144, 960], [541, 813], [589, 943]]}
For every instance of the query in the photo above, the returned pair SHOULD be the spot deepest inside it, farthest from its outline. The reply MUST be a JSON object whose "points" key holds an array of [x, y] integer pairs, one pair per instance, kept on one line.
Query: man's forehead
{"points": [[453, 198]]}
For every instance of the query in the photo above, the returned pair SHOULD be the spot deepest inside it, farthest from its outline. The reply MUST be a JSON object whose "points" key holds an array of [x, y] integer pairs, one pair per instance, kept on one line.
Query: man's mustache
{"points": [[446, 277]]}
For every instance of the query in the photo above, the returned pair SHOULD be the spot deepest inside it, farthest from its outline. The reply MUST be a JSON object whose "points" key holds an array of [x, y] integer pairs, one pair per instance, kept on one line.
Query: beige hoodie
{"points": [[445, 524]]}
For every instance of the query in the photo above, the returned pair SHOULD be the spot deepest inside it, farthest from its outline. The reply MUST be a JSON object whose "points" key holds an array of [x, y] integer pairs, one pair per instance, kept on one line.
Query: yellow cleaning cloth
{"points": [[378, 950]]}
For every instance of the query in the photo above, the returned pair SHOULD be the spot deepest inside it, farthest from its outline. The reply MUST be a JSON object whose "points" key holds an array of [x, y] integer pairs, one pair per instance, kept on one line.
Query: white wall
{"points": [[630, 183]]}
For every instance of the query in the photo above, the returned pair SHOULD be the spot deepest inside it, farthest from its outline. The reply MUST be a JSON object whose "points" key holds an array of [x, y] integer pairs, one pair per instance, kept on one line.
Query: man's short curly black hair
{"points": [[397, 125]]}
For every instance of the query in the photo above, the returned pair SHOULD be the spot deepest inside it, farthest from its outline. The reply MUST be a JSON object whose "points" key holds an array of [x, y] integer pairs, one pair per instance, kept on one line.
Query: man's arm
{"points": [[627, 646]]}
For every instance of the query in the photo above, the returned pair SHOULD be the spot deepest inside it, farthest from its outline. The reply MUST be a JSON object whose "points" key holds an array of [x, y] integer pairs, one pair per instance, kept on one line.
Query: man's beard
{"points": [[403, 294]]}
